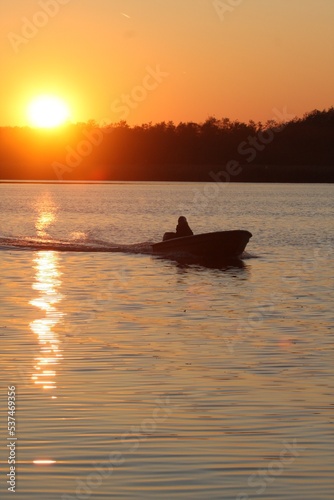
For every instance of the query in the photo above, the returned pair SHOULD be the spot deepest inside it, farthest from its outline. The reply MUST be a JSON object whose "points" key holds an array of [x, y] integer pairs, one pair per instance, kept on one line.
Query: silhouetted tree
{"points": [[300, 150]]}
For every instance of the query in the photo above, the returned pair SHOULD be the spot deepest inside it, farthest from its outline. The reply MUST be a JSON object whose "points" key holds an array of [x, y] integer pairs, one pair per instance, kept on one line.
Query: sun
{"points": [[47, 112]]}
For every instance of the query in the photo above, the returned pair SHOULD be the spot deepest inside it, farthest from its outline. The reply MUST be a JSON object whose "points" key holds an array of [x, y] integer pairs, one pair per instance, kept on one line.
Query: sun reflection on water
{"points": [[46, 210], [44, 462], [47, 283]]}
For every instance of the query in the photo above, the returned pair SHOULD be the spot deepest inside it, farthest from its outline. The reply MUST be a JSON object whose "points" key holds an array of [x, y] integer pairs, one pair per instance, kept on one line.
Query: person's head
{"points": [[182, 220]]}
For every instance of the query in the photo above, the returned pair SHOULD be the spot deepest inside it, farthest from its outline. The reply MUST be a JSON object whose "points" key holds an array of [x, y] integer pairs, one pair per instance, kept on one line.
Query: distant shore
{"points": [[217, 150], [203, 173]]}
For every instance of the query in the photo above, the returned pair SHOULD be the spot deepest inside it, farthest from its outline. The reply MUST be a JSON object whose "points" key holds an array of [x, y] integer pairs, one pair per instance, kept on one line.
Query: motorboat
{"points": [[215, 246]]}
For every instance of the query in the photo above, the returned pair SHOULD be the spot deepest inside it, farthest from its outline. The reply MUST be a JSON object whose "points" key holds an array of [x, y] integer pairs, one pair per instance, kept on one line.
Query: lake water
{"points": [[138, 377]]}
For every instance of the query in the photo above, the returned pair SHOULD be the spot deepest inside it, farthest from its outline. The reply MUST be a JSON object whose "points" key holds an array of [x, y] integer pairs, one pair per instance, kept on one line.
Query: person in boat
{"points": [[182, 229]]}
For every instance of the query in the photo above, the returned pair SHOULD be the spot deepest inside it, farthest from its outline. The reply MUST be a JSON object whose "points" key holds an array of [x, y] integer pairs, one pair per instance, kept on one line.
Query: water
{"points": [[142, 378]]}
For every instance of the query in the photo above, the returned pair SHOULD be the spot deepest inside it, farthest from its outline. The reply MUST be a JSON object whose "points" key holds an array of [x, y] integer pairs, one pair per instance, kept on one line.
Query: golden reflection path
{"points": [[47, 283], [46, 214]]}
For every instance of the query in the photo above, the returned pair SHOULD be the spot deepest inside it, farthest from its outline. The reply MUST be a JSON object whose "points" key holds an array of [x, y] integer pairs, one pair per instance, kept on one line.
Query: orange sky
{"points": [[154, 60]]}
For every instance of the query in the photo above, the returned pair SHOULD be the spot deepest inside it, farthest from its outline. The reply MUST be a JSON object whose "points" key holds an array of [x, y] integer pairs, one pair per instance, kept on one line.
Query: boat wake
{"points": [[246, 255], [35, 244], [90, 245]]}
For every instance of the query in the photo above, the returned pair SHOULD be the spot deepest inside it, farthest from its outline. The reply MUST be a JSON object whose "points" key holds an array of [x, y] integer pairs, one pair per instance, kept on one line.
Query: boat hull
{"points": [[219, 245]]}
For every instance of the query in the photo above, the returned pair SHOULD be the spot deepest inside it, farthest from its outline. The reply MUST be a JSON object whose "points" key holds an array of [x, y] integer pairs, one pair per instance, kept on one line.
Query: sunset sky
{"points": [[155, 60]]}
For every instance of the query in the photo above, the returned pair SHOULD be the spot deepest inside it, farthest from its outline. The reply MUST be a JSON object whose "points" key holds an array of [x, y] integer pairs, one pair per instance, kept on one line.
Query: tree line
{"points": [[300, 150]]}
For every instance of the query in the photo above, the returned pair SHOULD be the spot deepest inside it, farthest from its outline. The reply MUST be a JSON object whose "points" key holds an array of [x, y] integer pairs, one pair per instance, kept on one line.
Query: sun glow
{"points": [[48, 112]]}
